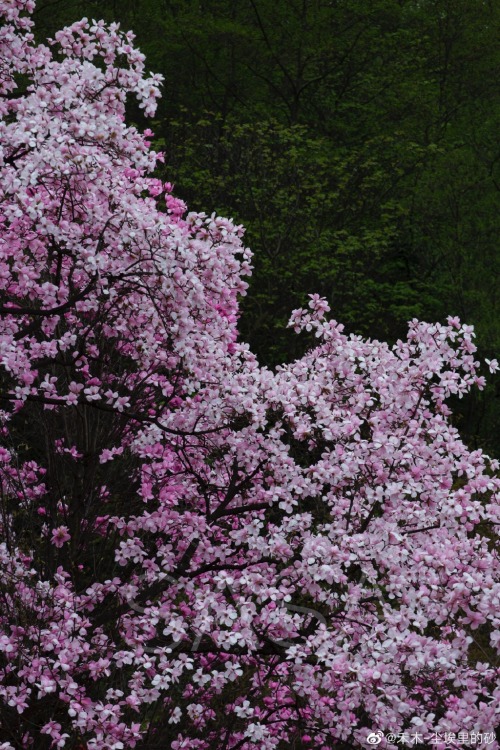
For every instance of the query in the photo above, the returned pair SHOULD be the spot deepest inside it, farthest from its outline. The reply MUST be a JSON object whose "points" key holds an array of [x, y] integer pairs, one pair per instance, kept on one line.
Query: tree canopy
{"points": [[197, 551], [357, 142]]}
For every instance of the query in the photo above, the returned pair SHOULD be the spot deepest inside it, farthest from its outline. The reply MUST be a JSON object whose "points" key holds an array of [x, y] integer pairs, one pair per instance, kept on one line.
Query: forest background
{"points": [[356, 140]]}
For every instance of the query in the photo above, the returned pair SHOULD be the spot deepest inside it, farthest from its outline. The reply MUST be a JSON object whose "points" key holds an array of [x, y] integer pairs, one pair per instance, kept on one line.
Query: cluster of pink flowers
{"points": [[197, 552]]}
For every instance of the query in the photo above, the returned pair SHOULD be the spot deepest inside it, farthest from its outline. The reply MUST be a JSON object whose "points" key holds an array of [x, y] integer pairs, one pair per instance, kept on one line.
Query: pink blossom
{"points": [[300, 552], [60, 536]]}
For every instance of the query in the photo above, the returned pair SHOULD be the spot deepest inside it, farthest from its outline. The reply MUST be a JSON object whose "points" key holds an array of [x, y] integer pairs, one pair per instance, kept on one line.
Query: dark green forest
{"points": [[358, 142]]}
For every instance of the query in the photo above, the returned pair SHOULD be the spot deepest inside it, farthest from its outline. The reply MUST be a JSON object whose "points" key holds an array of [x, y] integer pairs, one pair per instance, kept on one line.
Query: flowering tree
{"points": [[197, 552]]}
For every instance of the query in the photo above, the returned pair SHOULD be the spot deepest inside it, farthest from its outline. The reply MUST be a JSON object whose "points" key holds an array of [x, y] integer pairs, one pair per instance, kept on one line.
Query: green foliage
{"points": [[318, 219]]}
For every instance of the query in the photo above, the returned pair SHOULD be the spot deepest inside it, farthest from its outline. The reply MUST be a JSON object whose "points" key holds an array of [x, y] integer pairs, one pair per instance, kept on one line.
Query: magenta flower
{"points": [[60, 536]]}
